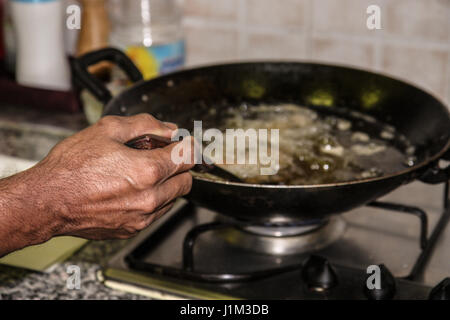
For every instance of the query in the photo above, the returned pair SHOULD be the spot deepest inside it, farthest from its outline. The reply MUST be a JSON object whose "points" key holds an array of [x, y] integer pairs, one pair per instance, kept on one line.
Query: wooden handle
{"points": [[149, 142]]}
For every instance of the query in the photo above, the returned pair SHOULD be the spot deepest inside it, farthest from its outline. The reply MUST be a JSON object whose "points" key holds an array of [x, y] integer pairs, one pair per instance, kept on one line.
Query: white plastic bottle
{"points": [[150, 32], [41, 60]]}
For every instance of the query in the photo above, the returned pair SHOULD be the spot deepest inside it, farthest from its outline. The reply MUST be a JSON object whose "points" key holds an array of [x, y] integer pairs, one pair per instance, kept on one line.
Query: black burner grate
{"points": [[188, 271]]}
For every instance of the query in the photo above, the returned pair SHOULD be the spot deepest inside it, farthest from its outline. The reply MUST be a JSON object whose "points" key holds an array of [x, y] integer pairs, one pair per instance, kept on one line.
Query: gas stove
{"points": [[196, 253]]}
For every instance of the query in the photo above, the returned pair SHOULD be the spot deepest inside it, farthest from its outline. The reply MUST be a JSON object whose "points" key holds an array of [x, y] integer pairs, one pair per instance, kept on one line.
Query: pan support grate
{"points": [[188, 272]]}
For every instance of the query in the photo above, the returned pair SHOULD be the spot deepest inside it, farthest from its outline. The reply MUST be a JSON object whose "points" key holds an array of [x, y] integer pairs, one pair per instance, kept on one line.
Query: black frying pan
{"points": [[185, 96]]}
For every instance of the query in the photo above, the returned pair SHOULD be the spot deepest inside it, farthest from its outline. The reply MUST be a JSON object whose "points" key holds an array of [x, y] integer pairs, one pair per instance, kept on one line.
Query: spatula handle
{"points": [[150, 141]]}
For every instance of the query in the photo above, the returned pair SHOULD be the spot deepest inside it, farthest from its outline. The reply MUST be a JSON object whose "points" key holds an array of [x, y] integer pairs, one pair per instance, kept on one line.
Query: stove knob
{"points": [[318, 274], [387, 289], [441, 291]]}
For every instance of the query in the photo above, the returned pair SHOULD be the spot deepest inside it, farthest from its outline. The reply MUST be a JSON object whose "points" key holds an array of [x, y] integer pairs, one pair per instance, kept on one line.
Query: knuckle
{"points": [[139, 176], [125, 236], [186, 184], [179, 166], [170, 125], [151, 204], [145, 117], [132, 229], [116, 224], [145, 173], [137, 183], [158, 170], [153, 173], [142, 225], [109, 121]]}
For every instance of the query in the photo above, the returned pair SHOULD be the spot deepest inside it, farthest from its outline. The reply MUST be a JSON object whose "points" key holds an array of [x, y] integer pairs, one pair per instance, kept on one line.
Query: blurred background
{"points": [[165, 35], [413, 44]]}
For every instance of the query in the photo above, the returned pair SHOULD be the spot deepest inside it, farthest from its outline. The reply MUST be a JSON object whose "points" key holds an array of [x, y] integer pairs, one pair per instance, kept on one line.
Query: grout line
{"points": [[202, 22], [447, 82], [242, 28], [276, 30], [309, 30], [308, 33], [409, 43], [223, 24], [378, 55], [378, 43]]}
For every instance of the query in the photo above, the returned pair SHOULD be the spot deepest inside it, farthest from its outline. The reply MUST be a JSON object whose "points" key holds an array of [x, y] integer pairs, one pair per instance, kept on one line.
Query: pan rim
{"points": [[397, 174]]}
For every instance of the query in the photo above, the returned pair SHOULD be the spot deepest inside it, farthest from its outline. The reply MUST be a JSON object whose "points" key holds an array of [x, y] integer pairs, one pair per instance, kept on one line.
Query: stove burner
{"points": [[285, 240], [209, 259], [279, 231]]}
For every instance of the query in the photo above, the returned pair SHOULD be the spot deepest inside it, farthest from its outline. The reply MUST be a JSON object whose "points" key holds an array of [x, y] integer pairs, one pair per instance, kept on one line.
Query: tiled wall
{"points": [[413, 44]]}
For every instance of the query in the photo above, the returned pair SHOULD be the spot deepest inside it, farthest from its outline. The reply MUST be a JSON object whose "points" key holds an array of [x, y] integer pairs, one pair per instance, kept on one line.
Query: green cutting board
{"points": [[41, 257]]}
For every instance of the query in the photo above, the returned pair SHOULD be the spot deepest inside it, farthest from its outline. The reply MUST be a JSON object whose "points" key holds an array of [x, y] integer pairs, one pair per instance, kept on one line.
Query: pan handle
{"points": [[84, 79], [435, 174]]}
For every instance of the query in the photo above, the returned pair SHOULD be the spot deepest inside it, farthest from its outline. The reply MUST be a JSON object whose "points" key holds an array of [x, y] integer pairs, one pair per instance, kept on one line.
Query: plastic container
{"points": [[41, 61], [2, 41], [150, 32], [9, 40]]}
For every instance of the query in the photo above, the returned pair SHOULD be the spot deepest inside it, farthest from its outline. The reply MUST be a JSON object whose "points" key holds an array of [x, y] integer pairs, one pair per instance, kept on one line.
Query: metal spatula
{"points": [[151, 141]]}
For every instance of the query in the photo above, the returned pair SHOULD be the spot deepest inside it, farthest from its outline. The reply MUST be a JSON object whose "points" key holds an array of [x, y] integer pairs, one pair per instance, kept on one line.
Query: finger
{"points": [[158, 214], [171, 125], [150, 218], [126, 128], [158, 165], [161, 196], [145, 123], [144, 220], [175, 187]]}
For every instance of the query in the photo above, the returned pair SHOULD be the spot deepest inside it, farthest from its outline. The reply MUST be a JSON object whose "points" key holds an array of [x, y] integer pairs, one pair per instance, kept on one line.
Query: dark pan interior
{"points": [[186, 96]]}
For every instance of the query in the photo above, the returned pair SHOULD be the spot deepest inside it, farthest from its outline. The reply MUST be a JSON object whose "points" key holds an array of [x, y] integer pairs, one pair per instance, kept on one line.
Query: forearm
{"points": [[26, 217]]}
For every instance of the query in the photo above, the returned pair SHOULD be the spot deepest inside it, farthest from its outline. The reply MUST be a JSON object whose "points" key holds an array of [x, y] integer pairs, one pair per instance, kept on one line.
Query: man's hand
{"points": [[92, 185]]}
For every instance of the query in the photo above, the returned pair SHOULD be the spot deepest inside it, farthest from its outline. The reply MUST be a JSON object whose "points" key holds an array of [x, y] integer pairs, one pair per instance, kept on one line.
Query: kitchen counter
{"points": [[16, 283], [71, 121]]}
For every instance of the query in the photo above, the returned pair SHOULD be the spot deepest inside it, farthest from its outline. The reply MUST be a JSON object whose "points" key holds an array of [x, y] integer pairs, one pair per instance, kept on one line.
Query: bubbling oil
{"points": [[320, 148]]}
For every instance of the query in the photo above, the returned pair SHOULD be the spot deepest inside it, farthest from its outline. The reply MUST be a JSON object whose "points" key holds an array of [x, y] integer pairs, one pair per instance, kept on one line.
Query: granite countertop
{"points": [[16, 283]]}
